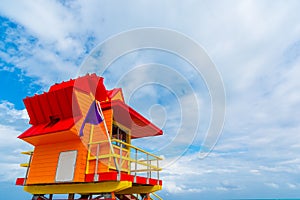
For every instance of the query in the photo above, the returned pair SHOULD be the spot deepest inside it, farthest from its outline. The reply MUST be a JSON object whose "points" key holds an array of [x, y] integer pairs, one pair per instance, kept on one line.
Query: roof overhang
{"points": [[42, 129], [128, 117]]}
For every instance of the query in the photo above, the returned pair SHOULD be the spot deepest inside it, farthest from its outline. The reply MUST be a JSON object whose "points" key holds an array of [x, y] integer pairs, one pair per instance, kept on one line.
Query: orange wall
{"points": [[49, 138], [45, 158], [99, 135], [84, 101]]}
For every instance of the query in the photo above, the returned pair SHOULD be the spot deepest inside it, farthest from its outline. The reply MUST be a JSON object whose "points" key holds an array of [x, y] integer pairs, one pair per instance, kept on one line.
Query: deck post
{"points": [[148, 196], [145, 196], [113, 196], [96, 177], [148, 166], [150, 169], [120, 164], [135, 168], [157, 171], [71, 196]]}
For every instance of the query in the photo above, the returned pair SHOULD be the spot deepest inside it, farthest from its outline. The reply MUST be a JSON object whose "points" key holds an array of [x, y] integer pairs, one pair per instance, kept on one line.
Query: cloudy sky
{"points": [[255, 45]]}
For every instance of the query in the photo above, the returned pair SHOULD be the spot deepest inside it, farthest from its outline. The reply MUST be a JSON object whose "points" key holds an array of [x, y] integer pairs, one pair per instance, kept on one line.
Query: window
{"points": [[53, 121], [119, 134]]}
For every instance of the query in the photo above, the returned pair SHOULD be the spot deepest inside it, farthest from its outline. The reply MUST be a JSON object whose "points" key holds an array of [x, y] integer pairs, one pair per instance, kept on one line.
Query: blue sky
{"points": [[255, 46]]}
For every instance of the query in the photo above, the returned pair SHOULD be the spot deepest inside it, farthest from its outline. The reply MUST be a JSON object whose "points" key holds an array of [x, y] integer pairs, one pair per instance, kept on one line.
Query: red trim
{"points": [[141, 180], [112, 176], [20, 181]]}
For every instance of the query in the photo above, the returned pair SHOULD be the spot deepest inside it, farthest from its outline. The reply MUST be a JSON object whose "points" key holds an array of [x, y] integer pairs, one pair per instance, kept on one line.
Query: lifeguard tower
{"points": [[81, 133]]}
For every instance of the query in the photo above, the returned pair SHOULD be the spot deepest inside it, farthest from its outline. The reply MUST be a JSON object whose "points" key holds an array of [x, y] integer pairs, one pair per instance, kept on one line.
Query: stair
{"points": [[156, 196]]}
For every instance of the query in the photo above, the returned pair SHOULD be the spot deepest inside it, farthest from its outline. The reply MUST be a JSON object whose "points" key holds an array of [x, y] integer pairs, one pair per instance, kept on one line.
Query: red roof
{"points": [[58, 104], [58, 109], [90, 83], [139, 125], [113, 92], [50, 112], [42, 129]]}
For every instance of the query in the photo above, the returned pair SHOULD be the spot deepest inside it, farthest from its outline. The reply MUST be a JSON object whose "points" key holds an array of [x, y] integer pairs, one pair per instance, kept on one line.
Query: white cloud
{"points": [[250, 42], [272, 185], [226, 172], [10, 135], [13, 122], [292, 186], [173, 188], [255, 171], [10, 153], [12, 117], [8, 109], [48, 20], [9, 172]]}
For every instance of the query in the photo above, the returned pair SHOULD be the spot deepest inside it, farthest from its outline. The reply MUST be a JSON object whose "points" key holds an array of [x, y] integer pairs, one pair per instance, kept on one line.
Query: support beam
{"points": [[140, 189], [71, 196], [113, 197], [80, 188]]}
